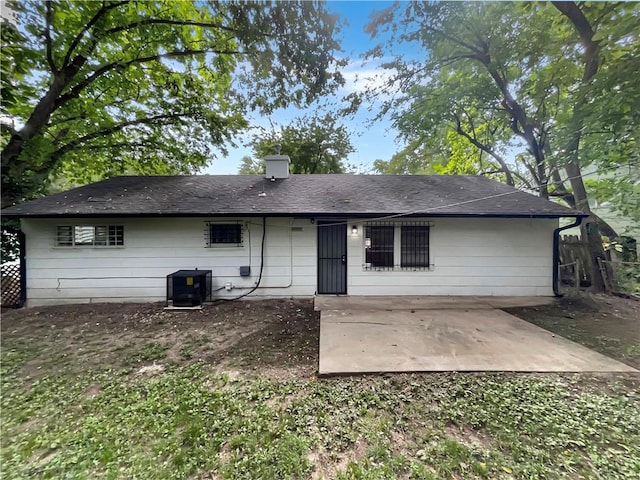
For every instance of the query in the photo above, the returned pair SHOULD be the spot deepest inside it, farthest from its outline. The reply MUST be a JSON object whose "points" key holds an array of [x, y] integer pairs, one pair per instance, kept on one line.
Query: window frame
{"points": [[401, 244], [235, 243], [112, 236], [383, 250], [415, 260]]}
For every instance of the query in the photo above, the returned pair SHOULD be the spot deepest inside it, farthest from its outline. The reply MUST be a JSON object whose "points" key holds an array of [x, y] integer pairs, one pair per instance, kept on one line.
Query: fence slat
{"points": [[574, 257]]}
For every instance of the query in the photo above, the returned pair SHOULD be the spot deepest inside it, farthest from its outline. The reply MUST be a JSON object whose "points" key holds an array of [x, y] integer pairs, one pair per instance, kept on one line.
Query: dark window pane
{"points": [[64, 236], [379, 246], [225, 233], [116, 235], [100, 236], [414, 242]]}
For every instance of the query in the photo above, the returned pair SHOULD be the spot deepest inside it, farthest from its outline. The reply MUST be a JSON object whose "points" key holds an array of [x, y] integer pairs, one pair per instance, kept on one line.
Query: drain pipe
{"points": [[556, 251]]}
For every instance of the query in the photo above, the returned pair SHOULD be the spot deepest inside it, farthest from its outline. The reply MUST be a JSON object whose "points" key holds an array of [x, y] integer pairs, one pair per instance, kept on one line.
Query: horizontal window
{"points": [[396, 246], [224, 234], [90, 236]]}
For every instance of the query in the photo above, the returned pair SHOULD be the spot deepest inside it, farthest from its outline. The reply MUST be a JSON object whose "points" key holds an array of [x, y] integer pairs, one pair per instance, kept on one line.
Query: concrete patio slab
{"points": [[381, 302], [447, 339]]}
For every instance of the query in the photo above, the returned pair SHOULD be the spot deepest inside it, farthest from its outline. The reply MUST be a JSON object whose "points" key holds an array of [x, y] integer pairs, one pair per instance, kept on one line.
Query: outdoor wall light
{"points": [[354, 230]]}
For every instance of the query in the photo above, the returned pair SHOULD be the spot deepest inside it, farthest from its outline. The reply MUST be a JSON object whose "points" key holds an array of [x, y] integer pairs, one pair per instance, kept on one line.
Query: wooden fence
{"points": [[621, 277], [574, 262]]}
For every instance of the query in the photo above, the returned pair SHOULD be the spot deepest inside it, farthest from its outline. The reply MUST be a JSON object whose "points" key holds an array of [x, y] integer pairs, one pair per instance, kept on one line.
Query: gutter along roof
{"points": [[299, 195]]}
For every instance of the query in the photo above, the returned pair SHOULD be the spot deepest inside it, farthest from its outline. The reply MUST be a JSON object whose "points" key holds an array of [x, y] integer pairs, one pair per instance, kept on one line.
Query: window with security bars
{"points": [[224, 234], [378, 246], [396, 246], [90, 236], [414, 246]]}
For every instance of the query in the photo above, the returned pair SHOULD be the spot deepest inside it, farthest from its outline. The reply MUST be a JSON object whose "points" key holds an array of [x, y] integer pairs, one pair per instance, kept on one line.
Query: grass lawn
{"points": [[113, 391]]}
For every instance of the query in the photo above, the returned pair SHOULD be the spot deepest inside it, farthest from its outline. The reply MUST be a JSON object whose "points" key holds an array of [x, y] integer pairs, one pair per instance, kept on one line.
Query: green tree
{"points": [[316, 144], [527, 78], [95, 89], [251, 166], [416, 158]]}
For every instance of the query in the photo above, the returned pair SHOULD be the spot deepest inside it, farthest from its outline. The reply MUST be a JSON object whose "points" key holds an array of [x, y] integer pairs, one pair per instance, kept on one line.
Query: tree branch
{"points": [[166, 21], [50, 162], [79, 87], [99, 14], [114, 129], [533, 172], [519, 116], [560, 191], [586, 33], [485, 148], [470, 56], [47, 37], [523, 179], [455, 40], [113, 146]]}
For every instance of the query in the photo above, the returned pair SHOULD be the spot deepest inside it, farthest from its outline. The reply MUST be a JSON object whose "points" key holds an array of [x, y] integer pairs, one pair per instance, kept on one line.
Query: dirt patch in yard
{"points": [[607, 324], [276, 337]]}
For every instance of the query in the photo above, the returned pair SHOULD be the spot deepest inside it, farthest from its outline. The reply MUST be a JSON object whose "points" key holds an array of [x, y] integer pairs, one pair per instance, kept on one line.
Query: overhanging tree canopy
{"points": [[95, 89], [548, 81]]}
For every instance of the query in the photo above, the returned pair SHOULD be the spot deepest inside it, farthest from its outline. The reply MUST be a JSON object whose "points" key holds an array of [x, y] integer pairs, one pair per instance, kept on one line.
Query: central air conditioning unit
{"points": [[188, 288]]}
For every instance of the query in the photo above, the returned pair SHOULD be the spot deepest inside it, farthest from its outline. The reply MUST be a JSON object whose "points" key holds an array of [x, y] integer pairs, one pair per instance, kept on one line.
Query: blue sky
{"points": [[371, 141]]}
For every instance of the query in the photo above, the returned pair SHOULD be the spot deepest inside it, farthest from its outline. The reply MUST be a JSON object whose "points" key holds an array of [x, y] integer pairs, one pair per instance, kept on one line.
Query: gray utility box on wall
{"points": [[189, 288]]}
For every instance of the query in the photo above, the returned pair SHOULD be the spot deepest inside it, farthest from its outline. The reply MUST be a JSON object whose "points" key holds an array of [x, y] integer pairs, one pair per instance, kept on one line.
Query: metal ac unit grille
{"points": [[189, 288]]}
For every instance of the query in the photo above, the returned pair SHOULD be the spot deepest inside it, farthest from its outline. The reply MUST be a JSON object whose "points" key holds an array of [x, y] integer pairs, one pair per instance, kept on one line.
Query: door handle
{"points": [[344, 259]]}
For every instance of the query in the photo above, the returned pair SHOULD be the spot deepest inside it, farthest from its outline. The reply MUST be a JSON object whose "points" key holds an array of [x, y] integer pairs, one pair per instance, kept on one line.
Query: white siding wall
{"points": [[469, 257], [155, 248]]}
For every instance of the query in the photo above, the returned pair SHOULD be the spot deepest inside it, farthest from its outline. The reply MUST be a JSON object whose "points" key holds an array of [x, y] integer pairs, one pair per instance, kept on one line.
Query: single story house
{"points": [[282, 235]]}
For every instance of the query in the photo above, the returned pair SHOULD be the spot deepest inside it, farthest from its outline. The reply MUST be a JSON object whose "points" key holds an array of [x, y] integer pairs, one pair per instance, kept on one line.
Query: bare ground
{"points": [[605, 323], [278, 338], [274, 337]]}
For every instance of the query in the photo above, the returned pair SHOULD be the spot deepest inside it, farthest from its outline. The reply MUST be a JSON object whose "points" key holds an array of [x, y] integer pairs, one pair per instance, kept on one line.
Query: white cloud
{"points": [[361, 77]]}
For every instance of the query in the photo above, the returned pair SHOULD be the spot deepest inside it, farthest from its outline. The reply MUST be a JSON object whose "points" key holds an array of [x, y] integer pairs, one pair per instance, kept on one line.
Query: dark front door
{"points": [[332, 257]]}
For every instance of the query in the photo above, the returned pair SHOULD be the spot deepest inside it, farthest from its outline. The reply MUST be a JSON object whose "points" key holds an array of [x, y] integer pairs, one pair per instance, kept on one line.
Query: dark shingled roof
{"points": [[315, 195]]}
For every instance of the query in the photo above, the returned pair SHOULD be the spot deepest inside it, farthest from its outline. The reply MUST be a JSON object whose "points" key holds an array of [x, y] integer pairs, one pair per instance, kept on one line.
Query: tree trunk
{"points": [[38, 119], [589, 229], [12, 167]]}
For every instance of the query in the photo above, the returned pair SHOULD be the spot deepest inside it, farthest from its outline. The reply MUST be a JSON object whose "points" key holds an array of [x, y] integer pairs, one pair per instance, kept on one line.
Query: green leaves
{"points": [[150, 87], [507, 79], [316, 144], [189, 420]]}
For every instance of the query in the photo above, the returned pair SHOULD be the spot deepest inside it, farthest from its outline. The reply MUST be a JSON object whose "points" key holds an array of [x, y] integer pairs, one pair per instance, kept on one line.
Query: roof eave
{"points": [[296, 214]]}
